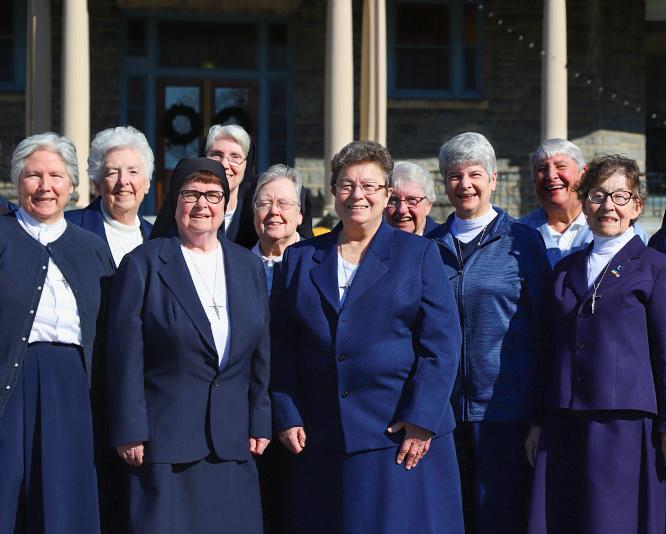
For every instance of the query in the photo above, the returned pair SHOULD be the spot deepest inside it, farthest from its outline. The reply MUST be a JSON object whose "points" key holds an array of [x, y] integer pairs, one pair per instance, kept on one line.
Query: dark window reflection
{"points": [[207, 45], [423, 69], [136, 38], [277, 49]]}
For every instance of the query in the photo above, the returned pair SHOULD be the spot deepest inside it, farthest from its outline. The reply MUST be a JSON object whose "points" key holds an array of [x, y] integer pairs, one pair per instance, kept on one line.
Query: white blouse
{"points": [[603, 250], [57, 315], [121, 237], [207, 272]]}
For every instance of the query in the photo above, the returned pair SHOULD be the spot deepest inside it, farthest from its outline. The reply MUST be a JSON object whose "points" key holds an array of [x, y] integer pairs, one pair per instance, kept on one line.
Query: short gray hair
{"points": [[469, 148], [277, 172], [229, 131], [51, 142], [406, 171], [554, 147], [119, 137]]}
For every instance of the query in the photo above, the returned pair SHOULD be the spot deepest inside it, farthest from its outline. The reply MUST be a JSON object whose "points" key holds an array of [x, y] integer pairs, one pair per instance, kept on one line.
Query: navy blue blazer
{"points": [[6, 206], [92, 219], [389, 353], [614, 359], [164, 384], [86, 264]]}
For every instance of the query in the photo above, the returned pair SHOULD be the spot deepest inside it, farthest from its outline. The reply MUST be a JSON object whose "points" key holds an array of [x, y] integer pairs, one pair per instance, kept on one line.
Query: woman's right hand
{"points": [[132, 453], [293, 438], [532, 443]]}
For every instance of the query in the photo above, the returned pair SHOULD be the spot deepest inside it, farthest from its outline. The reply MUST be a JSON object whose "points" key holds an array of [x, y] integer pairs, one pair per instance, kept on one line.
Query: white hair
{"points": [[114, 138], [406, 171], [556, 147], [469, 148], [229, 131], [51, 142], [277, 172]]}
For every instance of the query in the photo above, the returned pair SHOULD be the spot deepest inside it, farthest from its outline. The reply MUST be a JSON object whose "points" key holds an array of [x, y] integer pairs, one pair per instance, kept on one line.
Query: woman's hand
{"points": [[414, 446], [532, 443], [132, 453], [258, 445], [293, 438]]}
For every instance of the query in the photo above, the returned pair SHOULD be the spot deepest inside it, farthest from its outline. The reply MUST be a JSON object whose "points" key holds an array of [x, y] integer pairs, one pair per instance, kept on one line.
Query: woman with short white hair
{"points": [[277, 214], [121, 165], [410, 203]]}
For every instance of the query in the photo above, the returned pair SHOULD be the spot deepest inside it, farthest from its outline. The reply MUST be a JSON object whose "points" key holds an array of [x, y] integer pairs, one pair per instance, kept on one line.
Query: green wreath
{"points": [[175, 136]]}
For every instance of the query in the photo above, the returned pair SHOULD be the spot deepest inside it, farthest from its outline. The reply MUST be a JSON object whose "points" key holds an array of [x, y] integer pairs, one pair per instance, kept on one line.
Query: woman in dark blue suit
{"points": [[600, 459], [53, 277], [121, 165], [366, 342], [188, 372]]}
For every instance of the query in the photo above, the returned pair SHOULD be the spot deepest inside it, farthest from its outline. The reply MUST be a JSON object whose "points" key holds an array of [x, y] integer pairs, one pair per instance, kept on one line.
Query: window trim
{"points": [[456, 59]]}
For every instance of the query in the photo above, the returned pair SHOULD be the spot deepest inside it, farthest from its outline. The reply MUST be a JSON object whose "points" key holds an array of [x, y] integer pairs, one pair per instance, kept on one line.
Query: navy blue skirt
{"points": [[368, 492], [47, 471], [598, 473], [209, 496]]}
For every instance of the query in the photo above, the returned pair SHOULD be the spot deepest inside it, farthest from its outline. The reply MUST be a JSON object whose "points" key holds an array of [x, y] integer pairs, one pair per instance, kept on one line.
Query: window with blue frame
{"points": [[434, 49], [12, 45]]}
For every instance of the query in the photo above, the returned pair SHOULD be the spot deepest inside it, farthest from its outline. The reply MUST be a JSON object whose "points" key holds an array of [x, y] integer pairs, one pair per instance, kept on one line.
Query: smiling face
{"points": [[468, 187], [225, 151], [271, 223], [124, 183], [201, 217], [555, 182], [359, 209], [400, 215], [44, 186], [608, 219]]}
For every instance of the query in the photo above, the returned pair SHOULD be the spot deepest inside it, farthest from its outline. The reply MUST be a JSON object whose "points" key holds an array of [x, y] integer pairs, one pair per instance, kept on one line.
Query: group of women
{"points": [[413, 380]]}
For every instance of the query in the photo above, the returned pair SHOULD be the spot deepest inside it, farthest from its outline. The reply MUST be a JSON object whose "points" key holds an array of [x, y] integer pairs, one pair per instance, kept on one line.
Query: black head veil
{"points": [[165, 224]]}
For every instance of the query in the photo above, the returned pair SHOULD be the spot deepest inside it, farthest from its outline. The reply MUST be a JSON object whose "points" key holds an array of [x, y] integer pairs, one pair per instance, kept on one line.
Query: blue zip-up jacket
{"points": [[501, 293]]}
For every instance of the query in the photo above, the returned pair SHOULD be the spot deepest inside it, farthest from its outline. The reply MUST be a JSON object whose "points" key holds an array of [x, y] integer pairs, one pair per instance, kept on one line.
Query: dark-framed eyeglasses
{"points": [[394, 201], [619, 197], [347, 188], [232, 159], [282, 203], [192, 196]]}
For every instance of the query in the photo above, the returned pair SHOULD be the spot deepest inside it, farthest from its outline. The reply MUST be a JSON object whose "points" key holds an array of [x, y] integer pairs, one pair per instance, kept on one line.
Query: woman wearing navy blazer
{"points": [[365, 341], [120, 163], [187, 378], [53, 277], [600, 458]]}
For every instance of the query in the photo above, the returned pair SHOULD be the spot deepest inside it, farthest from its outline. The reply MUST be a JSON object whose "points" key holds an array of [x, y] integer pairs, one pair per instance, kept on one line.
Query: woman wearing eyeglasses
{"points": [[277, 214], [599, 465], [365, 341], [410, 203], [499, 273], [188, 370]]}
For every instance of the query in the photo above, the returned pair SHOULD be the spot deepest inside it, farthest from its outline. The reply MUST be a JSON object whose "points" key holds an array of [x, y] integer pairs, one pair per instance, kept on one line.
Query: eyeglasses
{"points": [[282, 204], [347, 188], [619, 198], [232, 159], [192, 196], [412, 202]]}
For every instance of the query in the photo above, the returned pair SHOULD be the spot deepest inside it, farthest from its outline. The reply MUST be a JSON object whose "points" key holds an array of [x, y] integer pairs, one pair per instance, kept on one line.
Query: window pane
{"points": [[420, 68], [422, 24], [136, 93], [470, 25], [6, 60], [277, 51], [278, 122], [6, 18], [469, 55], [181, 121], [191, 44], [136, 37], [232, 106]]}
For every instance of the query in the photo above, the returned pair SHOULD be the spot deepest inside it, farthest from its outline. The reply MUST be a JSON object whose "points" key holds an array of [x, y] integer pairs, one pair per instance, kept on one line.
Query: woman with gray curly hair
{"points": [[365, 345], [52, 280], [120, 163]]}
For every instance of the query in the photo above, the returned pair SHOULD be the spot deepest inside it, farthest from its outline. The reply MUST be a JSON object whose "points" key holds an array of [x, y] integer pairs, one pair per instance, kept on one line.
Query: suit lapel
{"points": [[578, 276], [176, 276], [325, 273], [236, 294], [620, 266], [373, 266], [93, 219]]}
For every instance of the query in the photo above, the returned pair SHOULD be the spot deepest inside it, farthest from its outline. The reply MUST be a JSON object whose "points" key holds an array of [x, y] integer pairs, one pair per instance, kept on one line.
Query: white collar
{"points": [[42, 232], [273, 259], [467, 229], [116, 225], [609, 246]]}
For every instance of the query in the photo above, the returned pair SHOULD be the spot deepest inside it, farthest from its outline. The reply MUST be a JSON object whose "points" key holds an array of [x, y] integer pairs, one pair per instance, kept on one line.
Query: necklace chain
{"points": [[595, 294], [459, 249], [215, 305], [344, 270]]}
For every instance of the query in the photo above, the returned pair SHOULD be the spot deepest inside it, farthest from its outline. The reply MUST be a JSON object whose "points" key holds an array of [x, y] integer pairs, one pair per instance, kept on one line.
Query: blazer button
{"points": [[580, 346], [345, 394], [342, 358], [216, 384]]}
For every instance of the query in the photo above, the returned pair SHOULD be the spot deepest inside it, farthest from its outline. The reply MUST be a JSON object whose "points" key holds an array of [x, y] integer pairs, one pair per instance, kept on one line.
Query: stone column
{"points": [[339, 84], [38, 68], [373, 72], [554, 84], [75, 108]]}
